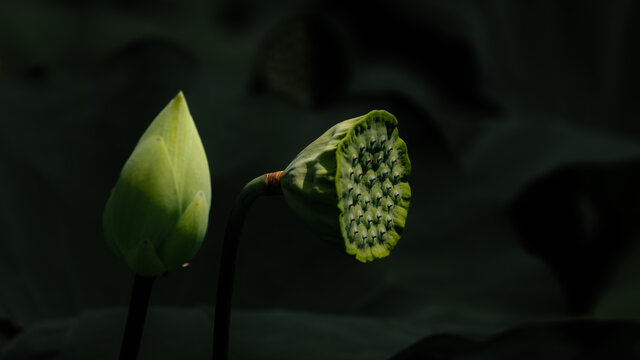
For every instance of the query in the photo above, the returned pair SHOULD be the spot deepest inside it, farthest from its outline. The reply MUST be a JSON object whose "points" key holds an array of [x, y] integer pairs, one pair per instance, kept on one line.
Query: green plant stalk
{"points": [[349, 186], [267, 184], [140, 294]]}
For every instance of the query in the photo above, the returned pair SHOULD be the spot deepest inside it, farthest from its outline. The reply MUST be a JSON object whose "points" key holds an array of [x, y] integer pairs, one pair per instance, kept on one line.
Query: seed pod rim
{"points": [[399, 212]]}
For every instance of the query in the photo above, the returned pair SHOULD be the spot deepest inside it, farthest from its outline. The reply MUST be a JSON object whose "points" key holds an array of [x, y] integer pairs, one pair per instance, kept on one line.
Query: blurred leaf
{"points": [[42, 341], [172, 333], [580, 339], [169, 333], [8, 329], [436, 347], [621, 301], [581, 219], [305, 59]]}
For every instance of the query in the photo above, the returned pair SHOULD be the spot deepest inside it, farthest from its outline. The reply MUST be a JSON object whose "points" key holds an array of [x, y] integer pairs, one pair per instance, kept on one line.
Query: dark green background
{"points": [[492, 98]]}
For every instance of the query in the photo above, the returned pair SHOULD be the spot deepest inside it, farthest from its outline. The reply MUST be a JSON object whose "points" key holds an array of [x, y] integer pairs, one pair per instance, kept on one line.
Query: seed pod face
{"points": [[158, 211], [352, 183]]}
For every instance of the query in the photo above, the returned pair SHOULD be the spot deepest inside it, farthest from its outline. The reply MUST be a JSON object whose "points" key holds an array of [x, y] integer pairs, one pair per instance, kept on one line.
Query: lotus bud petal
{"points": [[158, 211]]}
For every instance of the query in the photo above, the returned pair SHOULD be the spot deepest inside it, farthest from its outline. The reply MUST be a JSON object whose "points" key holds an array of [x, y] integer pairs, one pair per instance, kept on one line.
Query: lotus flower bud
{"points": [[351, 185], [158, 211]]}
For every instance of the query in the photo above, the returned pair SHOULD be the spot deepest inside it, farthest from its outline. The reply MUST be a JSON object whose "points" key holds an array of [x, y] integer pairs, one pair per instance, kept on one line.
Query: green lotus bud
{"points": [[351, 184], [158, 211]]}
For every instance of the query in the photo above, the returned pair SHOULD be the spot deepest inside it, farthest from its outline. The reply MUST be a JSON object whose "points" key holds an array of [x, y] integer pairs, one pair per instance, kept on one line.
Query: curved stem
{"points": [[135, 319], [267, 184]]}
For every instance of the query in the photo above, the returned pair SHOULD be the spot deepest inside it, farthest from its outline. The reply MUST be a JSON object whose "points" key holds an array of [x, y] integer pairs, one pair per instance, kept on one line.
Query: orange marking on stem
{"points": [[273, 183]]}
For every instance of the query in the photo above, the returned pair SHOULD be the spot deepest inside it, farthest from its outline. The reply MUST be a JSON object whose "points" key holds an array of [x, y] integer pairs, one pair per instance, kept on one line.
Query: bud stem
{"points": [[267, 184], [135, 319]]}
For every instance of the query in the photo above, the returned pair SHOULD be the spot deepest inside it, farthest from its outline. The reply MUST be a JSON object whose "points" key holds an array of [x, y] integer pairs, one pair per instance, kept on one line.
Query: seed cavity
{"points": [[372, 197]]}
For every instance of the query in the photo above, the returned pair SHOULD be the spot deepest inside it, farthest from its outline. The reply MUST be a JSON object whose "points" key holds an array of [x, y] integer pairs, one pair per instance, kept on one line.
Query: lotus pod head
{"points": [[157, 214], [351, 185]]}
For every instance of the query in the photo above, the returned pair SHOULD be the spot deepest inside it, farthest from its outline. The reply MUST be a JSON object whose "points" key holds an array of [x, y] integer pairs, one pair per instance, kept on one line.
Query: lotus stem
{"points": [[135, 319], [267, 184]]}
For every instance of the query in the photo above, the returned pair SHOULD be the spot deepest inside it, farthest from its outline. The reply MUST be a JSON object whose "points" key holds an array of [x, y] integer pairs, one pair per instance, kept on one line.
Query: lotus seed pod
{"points": [[351, 184], [158, 211]]}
